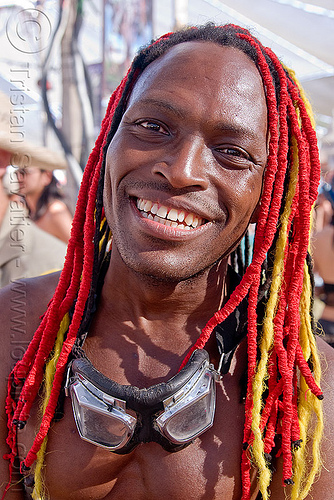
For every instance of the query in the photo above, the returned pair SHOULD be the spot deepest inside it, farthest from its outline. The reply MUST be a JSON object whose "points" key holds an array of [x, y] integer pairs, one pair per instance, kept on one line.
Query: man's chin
{"points": [[168, 273]]}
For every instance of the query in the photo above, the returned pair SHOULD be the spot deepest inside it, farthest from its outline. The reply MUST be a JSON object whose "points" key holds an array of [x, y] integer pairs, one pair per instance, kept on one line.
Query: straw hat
{"points": [[24, 153]]}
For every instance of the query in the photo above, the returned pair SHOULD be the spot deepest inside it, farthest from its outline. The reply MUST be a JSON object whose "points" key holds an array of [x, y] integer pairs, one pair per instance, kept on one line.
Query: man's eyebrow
{"points": [[236, 130], [164, 105]]}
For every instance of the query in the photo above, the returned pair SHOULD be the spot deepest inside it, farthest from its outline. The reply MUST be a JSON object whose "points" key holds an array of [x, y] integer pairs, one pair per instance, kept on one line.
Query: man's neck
{"points": [[154, 305]]}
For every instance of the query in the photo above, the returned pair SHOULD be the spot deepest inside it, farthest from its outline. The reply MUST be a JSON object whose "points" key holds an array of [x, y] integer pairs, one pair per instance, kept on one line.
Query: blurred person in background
{"points": [[35, 178], [25, 249], [45, 202], [323, 207], [323, 256], [4, 161]]}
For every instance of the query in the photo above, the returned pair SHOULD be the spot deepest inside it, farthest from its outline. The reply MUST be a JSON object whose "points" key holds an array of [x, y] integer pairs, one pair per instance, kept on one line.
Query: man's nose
{"points": [[186, 165]]}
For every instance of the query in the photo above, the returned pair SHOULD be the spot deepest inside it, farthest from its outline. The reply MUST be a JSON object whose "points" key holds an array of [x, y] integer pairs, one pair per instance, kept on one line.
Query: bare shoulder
{"points": [[326, 354], [29, 297], [58, 206], [323, 485], [22, 304], [57, 220]]}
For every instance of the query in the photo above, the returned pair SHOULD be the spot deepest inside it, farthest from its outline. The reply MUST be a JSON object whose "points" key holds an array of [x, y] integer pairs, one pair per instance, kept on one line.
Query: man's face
{"points": [[184, 169]]}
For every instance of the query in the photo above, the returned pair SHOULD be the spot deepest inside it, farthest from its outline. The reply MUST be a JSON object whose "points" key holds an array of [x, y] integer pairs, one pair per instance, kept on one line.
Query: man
{"points": [[188, 157]]}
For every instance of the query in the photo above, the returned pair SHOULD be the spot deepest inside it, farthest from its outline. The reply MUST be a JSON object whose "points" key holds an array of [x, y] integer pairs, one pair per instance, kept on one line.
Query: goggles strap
{"points": [[229, 335]]}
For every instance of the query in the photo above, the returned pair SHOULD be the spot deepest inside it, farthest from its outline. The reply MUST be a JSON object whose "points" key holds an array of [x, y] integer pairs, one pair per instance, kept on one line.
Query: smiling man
{"points": [[207, 134]]}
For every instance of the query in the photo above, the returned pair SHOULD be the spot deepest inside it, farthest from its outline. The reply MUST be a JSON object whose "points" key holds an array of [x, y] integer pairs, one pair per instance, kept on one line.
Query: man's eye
{"points": [[235, 152], [233, 157], [154, 126]]}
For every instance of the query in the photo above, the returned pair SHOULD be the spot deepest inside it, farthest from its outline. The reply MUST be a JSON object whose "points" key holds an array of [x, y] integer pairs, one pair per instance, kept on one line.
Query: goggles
{"points": [[119, 417]]}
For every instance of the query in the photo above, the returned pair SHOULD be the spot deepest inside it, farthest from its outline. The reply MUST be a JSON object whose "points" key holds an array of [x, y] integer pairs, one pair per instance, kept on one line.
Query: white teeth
{"points": [[181, 216], [195, 222], [172, 217], [154, 209], [141, 204], [147, 205], [189, 219], [172, 214], [162, 212]]}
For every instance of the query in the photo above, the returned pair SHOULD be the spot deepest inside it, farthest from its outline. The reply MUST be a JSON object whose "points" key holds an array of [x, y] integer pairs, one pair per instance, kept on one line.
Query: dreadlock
{"points": [[283, 393]]}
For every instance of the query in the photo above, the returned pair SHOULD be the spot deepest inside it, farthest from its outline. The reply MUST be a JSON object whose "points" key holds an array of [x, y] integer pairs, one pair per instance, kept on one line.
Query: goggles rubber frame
{"points": [[153, 410]]}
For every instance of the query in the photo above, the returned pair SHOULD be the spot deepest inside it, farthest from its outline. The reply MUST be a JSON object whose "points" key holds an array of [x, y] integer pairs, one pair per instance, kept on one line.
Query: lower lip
{"points": [[166, 232]]}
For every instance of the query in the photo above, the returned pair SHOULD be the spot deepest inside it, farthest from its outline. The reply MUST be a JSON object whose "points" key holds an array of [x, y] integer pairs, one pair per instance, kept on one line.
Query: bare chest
{"points": [[208, 468]]}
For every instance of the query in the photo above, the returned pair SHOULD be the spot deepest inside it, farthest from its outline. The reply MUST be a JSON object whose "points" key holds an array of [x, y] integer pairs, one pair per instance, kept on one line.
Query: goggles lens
{"points": [[98, 422], [193, 413]]}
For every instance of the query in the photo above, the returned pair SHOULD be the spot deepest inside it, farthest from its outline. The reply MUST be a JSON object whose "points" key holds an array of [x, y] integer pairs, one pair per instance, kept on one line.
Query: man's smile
{"points": [[168, 216]]}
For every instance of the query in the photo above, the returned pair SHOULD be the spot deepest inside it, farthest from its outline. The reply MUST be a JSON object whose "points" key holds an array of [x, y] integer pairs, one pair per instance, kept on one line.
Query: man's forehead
{"points": [[207, 58]]}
